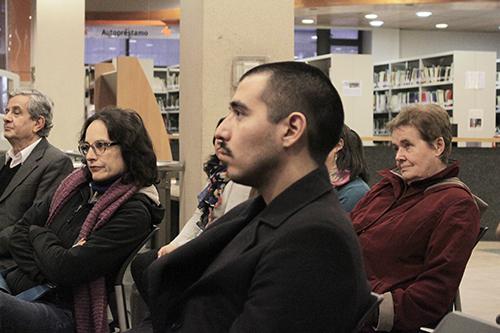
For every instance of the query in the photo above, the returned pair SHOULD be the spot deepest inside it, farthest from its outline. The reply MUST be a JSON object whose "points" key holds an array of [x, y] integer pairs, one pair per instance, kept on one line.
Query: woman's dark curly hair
{"points": [[127, 129]]}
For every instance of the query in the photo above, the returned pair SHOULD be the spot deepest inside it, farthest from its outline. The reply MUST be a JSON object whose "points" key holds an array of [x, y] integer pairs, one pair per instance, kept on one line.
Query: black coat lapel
{"points": [[294, 198], [184, 266]]}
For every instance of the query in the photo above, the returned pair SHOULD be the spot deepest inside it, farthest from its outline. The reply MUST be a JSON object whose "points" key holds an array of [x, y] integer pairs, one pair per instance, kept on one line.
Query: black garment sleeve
{"points": [[102, 253], [20, 245]]}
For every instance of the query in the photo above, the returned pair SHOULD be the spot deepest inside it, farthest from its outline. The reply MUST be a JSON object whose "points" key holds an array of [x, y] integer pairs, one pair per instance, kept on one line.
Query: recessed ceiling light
{"points": [[371, 16], [314, 37], [441, 25], [376, 23], [308, 21], [424, 14]]}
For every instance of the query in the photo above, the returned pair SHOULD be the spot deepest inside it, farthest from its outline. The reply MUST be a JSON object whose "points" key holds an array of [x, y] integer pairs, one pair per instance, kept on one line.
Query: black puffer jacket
{"points": [[46, 254]]}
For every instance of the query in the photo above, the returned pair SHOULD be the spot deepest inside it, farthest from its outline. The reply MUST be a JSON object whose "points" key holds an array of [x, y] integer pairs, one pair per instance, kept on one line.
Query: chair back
{"points": [[459, 322], [482, 231], [373, 302], [457, 302], [118, 303]]}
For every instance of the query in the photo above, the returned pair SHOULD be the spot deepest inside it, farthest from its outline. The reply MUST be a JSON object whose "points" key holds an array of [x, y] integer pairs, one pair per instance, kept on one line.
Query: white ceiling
{"points": [[477, 16], [472, 15]]}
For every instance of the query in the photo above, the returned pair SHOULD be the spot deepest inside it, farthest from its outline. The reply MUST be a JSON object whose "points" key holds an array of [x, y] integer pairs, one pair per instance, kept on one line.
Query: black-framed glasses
{"points": [[99, 147]]}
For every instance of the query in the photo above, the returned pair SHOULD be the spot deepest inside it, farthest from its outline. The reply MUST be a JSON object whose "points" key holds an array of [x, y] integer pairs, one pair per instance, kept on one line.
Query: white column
{"points": [[213, 33], [58, 40]]}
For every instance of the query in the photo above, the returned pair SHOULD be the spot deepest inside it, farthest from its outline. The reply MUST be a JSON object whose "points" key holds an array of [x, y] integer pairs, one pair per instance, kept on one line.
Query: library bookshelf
{"points": [[462, 82], [166, 90]]}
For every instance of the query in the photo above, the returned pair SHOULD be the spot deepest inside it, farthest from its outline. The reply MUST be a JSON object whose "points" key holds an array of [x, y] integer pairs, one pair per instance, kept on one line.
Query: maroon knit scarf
{"points": [[90, 301]]}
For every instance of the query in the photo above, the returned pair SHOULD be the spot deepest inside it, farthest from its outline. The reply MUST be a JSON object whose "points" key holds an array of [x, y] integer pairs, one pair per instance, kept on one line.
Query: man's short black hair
{"points": [[299, 87]]}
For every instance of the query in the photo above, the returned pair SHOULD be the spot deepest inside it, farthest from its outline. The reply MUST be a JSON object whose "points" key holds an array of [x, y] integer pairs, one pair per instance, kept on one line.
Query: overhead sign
{"points": [[129, 32]]}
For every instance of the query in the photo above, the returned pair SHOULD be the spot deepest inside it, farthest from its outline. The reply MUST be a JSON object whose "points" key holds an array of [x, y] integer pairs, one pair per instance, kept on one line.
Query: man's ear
{"points": [[295, 128], [39, 124]]}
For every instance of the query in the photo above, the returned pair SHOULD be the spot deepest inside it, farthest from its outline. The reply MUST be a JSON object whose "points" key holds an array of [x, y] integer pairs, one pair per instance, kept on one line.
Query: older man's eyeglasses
{"points": [[99, 147]]}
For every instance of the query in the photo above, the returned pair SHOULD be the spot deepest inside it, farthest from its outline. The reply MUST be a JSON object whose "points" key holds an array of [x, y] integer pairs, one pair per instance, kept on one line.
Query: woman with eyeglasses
{"points": [[73, 245]]}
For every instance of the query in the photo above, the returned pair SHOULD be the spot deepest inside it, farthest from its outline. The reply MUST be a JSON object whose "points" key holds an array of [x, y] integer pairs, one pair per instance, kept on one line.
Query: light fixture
{"points": [[424, 14], [376, 23], [307, 21], [371, 16], [314, 37], [441, 25]]}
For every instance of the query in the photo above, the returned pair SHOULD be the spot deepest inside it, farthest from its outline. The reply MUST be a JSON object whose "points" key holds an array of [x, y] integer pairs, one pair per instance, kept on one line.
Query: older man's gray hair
{"points": [[39, 105]]}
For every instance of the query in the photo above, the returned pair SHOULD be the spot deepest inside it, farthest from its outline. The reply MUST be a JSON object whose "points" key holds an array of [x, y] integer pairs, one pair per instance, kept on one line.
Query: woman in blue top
{"points": [[347, 168]]}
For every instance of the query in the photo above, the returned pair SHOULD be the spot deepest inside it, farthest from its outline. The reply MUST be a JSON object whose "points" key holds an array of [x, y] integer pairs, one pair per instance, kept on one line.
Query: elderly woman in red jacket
{"points": [[417, 234]]}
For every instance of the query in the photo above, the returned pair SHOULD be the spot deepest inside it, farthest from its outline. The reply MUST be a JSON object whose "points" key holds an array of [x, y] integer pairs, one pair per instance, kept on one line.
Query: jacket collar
{"points": [[399, 185], [296, 196], [26, 168]]}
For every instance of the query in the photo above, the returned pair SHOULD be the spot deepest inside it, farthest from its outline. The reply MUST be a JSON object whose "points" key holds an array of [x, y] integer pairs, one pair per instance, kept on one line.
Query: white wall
{"points": [[390, 44], [214, 33], [415, 43], [357, 104], [385, 44]]}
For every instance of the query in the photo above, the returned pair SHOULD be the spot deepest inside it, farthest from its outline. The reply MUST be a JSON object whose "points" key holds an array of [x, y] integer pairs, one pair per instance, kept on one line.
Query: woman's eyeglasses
{"points": [[99, 147]]}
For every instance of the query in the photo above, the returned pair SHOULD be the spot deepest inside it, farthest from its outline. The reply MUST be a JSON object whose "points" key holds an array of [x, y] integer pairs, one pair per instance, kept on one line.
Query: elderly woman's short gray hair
{"points": [[39, 105]]}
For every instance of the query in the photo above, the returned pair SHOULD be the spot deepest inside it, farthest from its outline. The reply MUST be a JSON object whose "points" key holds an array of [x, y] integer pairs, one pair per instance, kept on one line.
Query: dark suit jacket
{"points": [[37, 178], [293, 266]]}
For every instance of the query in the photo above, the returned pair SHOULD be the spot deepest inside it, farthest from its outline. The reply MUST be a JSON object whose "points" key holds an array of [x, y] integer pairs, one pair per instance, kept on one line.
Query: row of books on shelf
{"points": [[405, 77], [443, 97], [383, 102], [380, 102], [380, 79], [171, 122], [379, 127], [402, 99], [436, 74], [170, 82], [169, 103], [413, 76]]}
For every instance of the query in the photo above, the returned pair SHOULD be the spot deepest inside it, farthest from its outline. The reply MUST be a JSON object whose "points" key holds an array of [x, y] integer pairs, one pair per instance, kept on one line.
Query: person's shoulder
{"points": [[356, 184], [52, 151], [324, 212], [142, 201], [323, 222], [452, 191], [51, 154]]}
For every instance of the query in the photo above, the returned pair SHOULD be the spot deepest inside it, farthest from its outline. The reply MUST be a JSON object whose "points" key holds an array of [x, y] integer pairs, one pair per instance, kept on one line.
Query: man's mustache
{"points": [[222, 145]]}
